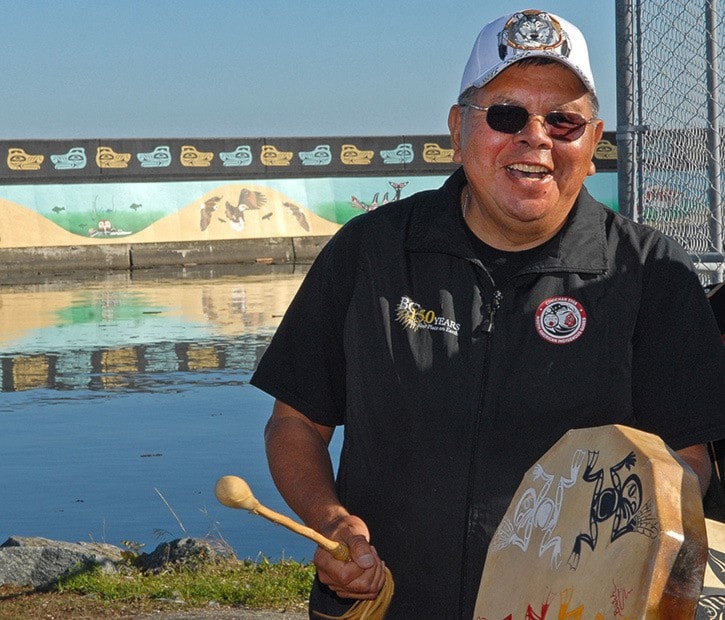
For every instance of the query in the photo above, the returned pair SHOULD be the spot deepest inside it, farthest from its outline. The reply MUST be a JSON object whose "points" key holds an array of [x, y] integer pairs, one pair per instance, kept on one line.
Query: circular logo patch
{"points": [[560, 320]]}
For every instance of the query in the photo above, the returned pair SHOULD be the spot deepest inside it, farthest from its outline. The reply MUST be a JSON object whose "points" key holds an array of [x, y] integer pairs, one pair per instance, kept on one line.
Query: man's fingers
{"points": [[350, 579], [361, 552]]}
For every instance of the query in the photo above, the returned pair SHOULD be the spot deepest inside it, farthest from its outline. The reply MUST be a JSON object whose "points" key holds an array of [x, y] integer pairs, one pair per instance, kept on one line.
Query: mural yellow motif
{"points": [[106, 157], [435, 154], [605, 150], [192, 158], [352, 156], [18, 159], [272, 156]]}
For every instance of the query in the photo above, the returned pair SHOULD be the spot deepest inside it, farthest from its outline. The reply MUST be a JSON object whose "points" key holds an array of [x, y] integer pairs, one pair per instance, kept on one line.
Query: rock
{"points": [[188, 551], [40, 562]]}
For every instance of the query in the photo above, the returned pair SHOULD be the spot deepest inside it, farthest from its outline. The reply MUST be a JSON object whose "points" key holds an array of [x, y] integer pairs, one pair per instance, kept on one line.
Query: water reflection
{"points": [[117, 390], [103, 334]]}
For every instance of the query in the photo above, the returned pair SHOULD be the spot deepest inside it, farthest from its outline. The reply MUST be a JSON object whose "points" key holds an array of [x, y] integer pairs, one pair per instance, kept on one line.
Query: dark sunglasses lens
{"points": [[565, 125], [507, 118]]}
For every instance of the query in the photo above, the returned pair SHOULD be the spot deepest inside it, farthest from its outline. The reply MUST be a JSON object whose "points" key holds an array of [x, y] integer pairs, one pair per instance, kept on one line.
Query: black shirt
{"points": [[501, 264]]}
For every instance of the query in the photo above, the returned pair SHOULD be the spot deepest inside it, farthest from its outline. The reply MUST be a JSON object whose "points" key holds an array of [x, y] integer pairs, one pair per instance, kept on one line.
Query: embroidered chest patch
{"points": [[414, 317], [560, 320]]}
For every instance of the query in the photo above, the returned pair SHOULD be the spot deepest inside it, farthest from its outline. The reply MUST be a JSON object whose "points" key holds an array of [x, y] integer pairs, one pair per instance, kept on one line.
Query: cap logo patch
{"points": [[560, 320], [532, 30]]}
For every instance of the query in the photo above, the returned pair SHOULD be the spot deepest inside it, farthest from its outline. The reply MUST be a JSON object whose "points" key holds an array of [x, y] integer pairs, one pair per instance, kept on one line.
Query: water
{"points": [[125, 398]]}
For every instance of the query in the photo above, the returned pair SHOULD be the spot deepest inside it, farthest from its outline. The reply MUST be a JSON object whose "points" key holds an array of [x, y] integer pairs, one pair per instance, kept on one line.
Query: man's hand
{"points": [[363, 576]]}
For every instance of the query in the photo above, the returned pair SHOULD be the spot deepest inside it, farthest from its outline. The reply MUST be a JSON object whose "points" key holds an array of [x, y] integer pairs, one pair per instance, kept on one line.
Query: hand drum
{"points": [[607, 524]]}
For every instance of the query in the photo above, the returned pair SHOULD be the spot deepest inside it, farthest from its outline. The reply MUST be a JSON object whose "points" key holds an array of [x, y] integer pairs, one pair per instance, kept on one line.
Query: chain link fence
{"points": [[671, 116]]}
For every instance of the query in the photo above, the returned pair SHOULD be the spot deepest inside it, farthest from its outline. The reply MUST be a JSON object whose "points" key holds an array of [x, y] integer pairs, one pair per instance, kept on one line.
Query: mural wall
{"points": [[88, 192]]}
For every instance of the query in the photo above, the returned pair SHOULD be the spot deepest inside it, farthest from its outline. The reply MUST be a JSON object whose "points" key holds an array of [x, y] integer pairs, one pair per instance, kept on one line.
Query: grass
{"points": [[226, 583], [259, 584]]}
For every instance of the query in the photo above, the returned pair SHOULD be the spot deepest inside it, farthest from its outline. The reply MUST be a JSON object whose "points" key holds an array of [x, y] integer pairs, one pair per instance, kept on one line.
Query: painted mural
{"points": [[62, 193], [163, 212]]}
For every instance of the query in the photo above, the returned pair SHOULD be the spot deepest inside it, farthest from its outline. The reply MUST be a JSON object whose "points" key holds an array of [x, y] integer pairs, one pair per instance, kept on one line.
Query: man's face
{"points": [[523, 185]]}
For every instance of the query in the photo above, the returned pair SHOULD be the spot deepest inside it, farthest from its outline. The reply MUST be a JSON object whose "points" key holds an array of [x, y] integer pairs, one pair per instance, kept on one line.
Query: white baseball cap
{"points": [[526, 34]]}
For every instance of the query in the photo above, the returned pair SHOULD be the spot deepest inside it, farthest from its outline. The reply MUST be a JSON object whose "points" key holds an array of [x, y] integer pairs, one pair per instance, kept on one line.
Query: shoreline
{"points": [[31, 265]]}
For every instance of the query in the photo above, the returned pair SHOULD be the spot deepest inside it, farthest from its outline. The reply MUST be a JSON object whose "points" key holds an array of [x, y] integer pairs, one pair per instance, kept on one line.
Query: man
{"points": [[459, 333]]}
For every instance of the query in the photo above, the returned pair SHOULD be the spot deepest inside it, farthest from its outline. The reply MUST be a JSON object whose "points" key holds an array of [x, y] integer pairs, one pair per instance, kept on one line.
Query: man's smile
{"points": [[528, 171]]}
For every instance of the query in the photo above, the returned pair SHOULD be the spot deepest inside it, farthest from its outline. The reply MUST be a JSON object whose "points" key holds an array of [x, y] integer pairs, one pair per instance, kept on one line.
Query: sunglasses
{"points": [[566, 126]]}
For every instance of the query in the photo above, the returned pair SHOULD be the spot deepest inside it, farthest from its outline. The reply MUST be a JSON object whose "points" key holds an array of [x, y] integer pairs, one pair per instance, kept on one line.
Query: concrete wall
{"points": [[24, 264]]}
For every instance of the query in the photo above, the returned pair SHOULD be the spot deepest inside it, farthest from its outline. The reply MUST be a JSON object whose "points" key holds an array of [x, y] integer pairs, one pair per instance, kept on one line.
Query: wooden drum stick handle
{"points": [[339, 550], [234, 492]]}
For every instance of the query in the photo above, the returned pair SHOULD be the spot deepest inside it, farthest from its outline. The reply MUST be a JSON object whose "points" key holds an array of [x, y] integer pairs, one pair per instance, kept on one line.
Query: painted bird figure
{"points": [[298, 214], [235, 216], [251, 200], [206, 210]]}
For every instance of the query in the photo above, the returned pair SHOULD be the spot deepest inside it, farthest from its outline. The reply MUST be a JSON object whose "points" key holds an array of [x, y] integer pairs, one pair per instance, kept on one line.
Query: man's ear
{"points": [[598, 133], [454, 126]]}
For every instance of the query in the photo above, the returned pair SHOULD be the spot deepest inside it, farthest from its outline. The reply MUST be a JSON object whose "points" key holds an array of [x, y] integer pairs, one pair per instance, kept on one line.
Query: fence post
{"points": [[714, 156], [626, 164]]}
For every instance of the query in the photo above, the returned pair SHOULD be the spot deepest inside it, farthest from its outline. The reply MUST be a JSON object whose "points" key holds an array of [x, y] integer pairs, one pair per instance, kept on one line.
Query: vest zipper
{"points": [[493, 307], [497, 296], [487, 329]]}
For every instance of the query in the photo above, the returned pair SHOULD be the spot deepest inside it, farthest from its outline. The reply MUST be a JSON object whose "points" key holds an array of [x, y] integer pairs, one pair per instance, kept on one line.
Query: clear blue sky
{"points": [[253, 68]]}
